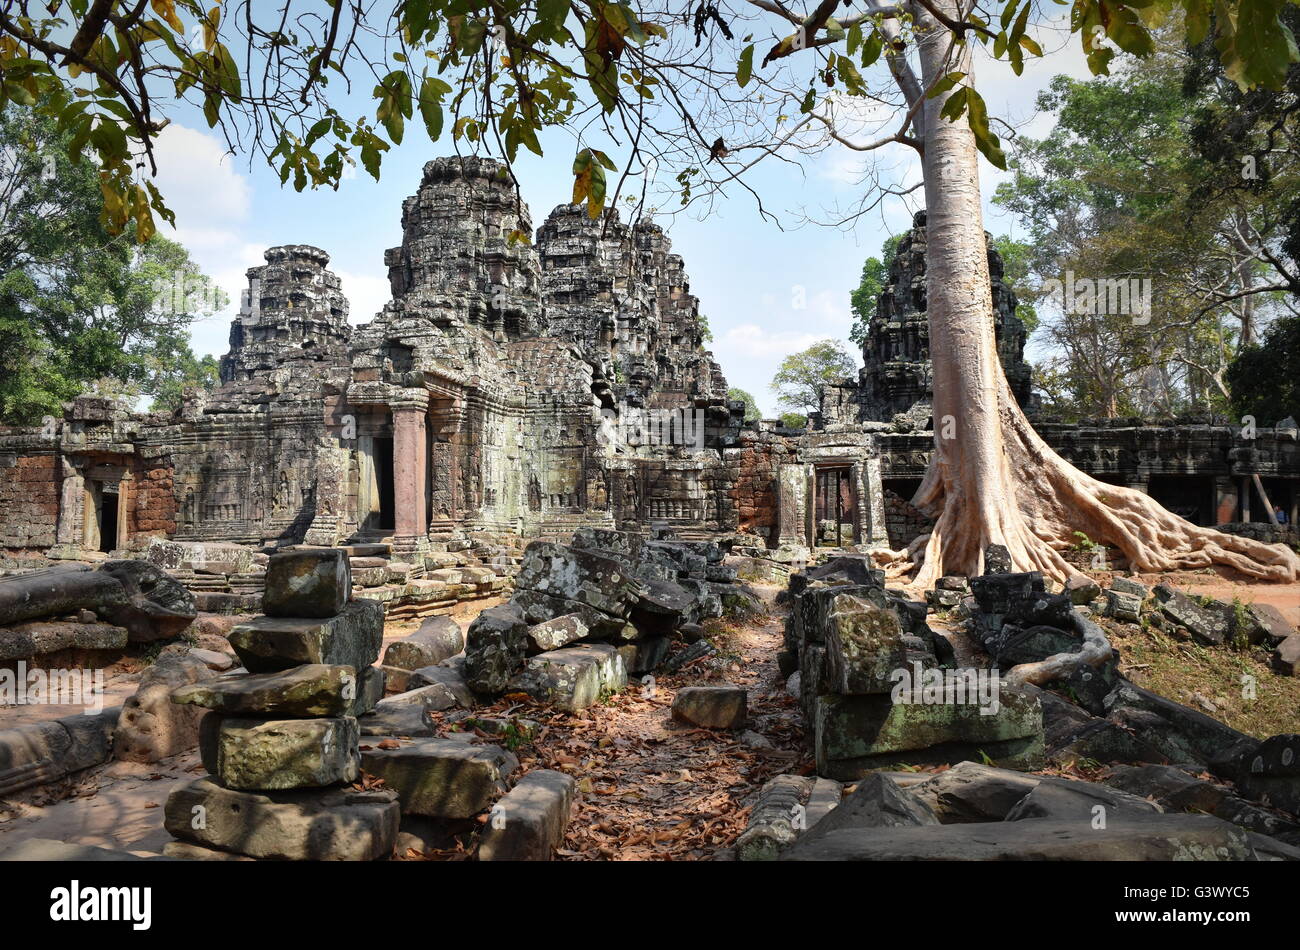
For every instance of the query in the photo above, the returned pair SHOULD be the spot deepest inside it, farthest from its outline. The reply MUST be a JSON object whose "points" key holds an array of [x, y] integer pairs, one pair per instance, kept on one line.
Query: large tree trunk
{"points": [[992, 480]]}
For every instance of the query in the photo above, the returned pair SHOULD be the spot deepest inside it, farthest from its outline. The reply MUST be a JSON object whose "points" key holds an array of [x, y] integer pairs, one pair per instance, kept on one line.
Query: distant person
{"points": [[1280, 514]]}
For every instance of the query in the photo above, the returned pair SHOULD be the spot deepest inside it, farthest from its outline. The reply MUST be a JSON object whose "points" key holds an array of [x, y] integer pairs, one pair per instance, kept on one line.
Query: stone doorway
{"points": [[103, 512], [835, 513], [384, 514]]}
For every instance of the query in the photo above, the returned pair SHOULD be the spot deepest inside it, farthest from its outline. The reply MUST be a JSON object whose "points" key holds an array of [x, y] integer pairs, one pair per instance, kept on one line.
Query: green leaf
{"points": [[431, 107], [746, 68], [944, 84]]}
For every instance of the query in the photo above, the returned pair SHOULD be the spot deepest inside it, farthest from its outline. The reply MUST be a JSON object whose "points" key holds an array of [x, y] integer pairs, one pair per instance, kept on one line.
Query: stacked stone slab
{"points": [[281, 744], [866, 657]]}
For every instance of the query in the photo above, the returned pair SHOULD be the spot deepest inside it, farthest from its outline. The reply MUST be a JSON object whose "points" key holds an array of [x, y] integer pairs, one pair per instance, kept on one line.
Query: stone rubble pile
{"points": [[281, 742], [586, 615], [879, 689]]}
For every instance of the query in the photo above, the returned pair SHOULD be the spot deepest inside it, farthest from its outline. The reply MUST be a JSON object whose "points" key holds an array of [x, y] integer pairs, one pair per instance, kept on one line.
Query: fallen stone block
{"points": [[353, 638], [864, 646], [37, 638], [711, 707], [307, 583], [331, 825], [442, 778], [1066, 800], [57, 591], [310, 690], [1129, 838], [396, 719], [270, 755], [857, 734], [646, 655], [1274, 627], [877, 802], [529, 822], [556, 632], [39, 753], [1179, 733], [442, 686], [604, 583], [438, 639], [495, 647], [369, 691], [574, 677], [971, 792], [1207, 627], [1287, 658]]}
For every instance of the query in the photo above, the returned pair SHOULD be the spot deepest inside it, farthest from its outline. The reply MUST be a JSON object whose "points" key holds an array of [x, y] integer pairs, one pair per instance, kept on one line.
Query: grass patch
{"points": [[1176, 670]]}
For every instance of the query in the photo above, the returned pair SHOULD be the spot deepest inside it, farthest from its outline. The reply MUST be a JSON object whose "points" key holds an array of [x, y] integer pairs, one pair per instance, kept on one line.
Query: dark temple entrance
{"points": [[836, 507], [385, 517]]}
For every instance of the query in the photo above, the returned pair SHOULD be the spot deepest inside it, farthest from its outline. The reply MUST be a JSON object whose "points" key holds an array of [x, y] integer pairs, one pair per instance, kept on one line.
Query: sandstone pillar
{"points": [[410, 452], [1225, 500]]}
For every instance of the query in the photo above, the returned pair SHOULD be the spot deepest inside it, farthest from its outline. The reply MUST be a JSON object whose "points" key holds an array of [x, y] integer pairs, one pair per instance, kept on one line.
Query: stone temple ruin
{"points": [[513, 390], [539, 423]]}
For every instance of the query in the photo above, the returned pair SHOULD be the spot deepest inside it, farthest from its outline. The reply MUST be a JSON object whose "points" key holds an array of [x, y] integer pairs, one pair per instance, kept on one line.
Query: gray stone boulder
{"points": [[1206, 626], [313, 689], [1127, 838], [864, 646], [352, 638], [268, 755], [556, 632], [443, 686], [971, 792], [574, 677], [711, 707], [24, 641], [438, 639], [399, 719], [495, 648], [877, 802], [583, 576], [1066, 800], [307, 583], [442, 778], [528, 824], [335, 825], [1082, 589]]}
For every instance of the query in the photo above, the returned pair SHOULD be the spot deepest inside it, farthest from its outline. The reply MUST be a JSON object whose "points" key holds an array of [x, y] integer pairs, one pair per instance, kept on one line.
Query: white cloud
{"points": [[752, 341], [198, 179], [366, 295]]}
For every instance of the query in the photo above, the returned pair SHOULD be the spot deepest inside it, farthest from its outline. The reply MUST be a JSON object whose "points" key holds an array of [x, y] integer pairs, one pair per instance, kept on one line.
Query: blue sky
{"points": [[747, 272]]}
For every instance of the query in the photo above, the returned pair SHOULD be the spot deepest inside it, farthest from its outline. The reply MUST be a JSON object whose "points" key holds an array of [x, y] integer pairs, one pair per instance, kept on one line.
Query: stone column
{"points": [[1225, 500], [410, 452], [792, 507], [71, 506]]}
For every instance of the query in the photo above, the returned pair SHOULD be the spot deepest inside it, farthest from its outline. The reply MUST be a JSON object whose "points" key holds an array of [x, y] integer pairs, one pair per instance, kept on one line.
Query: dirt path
{"points": [[655, 789]]}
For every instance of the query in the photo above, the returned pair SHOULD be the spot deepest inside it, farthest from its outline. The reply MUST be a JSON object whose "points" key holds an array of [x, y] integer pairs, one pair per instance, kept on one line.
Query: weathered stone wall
{"points": [[29, 498]]}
